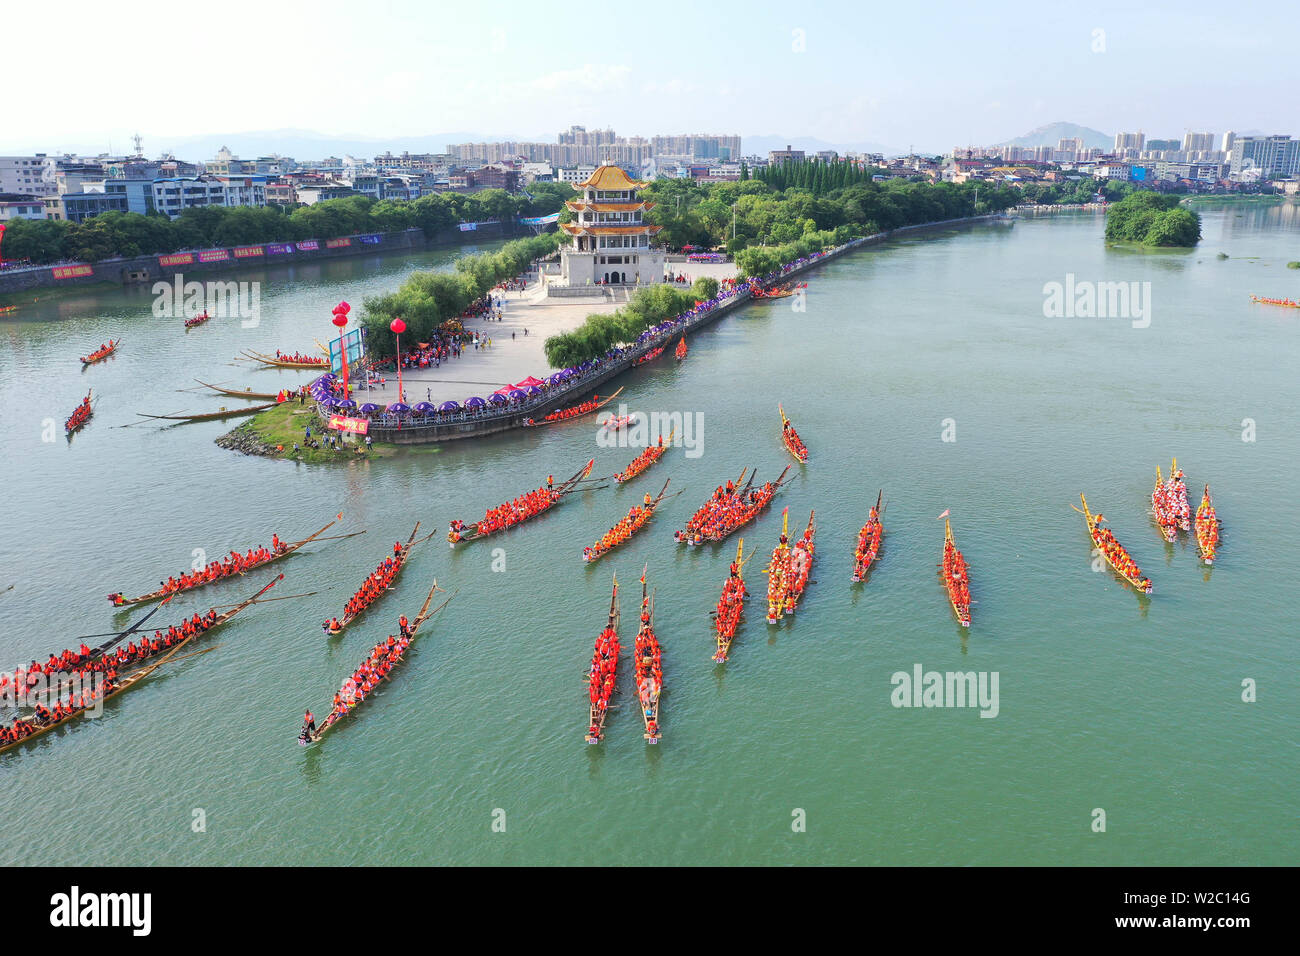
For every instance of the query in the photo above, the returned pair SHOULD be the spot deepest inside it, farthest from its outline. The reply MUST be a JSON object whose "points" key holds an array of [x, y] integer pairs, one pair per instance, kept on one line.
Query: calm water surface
{"points": [[1106, 700]]}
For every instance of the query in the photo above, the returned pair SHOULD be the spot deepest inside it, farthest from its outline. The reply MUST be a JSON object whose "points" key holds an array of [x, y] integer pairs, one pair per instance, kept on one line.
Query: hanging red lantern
{"points": [[340, 320], [398, 327]]}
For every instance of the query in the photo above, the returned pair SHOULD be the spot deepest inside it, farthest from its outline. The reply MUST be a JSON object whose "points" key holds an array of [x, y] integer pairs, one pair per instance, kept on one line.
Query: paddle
{"points": [[195, 653], [338, 537], [133, 424]]}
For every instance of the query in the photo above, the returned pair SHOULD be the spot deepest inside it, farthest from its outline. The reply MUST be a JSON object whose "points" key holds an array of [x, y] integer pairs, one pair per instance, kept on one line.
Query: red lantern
{"points": [[398, 327], [340, 320]]}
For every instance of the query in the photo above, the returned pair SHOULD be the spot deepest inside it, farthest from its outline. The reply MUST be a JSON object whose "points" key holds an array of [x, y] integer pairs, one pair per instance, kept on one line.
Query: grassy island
{"points": [[273, 433]]}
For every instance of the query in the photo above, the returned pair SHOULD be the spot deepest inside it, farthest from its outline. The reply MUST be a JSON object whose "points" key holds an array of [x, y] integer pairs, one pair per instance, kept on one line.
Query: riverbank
{"points": [[229, 261], [1231, 200]]}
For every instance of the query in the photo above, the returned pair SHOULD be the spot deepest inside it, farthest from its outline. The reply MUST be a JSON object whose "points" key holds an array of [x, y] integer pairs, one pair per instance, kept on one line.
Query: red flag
{"points": [[944, 515]]}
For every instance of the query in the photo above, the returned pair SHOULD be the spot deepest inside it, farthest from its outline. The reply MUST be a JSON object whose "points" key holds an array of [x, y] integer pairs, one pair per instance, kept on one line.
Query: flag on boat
{"points": [[944, 515]]}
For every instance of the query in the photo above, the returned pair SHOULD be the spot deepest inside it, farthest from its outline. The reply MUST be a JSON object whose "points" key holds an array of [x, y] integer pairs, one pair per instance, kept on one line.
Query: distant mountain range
{"points": [[310, 144], [1052, 133], [304, 144]]}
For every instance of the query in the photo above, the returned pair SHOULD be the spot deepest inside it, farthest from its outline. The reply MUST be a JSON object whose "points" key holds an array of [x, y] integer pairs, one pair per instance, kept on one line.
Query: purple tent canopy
{"points": [[534, 390], [332, 402], [557, 378], [367, 408], [474, 402], [424, 407], [399, 407], [517, 394], [496, 399], [345, 403], [448, 407]]}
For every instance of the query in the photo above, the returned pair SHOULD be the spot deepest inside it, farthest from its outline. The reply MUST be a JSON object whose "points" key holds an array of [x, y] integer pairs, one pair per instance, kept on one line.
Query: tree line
{"points": [[427, 300], [117, 234], [812, 175], [738, 215], [601, 332]]}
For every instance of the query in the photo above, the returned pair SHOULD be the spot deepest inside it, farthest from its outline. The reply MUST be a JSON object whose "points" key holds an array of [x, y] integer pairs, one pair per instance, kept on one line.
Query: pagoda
{"points": [[611, 243]]}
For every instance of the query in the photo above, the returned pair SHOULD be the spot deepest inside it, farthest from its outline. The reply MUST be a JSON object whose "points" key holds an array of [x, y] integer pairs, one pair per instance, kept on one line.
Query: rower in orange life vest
{"points": [[308, 723], [404, 626], [550, 482]]}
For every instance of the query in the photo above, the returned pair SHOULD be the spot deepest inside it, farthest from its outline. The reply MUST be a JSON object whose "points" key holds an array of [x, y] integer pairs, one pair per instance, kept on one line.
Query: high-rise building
{"points": [[1127, 141], [27, 176], [631, 152], [583, 146], [1228, 138], [1198, 142], [1264, 157]]}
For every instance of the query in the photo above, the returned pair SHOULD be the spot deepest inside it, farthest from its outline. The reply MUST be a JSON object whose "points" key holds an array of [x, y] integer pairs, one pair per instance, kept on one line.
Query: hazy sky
{"points": [[932, 74]]}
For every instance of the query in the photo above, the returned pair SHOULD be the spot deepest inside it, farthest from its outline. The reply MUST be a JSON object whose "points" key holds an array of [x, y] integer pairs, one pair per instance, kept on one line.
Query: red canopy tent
{"points": [[529, 382]]}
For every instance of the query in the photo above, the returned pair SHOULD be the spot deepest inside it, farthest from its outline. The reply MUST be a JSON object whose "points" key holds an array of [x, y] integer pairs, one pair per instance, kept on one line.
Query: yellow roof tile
{"points": [[610, 177]]}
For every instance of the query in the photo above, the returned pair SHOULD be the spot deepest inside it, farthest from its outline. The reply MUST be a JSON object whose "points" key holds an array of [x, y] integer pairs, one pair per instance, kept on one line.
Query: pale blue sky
{"points": [[899, 73]]}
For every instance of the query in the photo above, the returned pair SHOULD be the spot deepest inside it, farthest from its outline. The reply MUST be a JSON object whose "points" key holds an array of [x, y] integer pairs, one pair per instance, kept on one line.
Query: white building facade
{"points": [[27, 176]]}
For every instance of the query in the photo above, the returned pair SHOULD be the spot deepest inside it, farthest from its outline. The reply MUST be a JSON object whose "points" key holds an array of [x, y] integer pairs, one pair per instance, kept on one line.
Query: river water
{"points": [[792, 752]]}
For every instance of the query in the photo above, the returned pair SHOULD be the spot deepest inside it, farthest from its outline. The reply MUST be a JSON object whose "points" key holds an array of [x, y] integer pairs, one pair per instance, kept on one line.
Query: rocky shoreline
{"points": [[247, 441]]}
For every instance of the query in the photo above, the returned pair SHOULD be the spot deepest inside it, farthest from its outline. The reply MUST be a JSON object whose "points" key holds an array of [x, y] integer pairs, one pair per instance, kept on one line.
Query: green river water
{"points": [[1106, 700]]}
